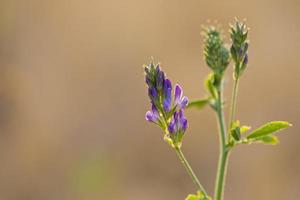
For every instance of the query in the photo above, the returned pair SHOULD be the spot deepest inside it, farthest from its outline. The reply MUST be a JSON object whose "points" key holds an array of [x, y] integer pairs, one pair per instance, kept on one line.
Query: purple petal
{"points": [[178, 94], [184, 102], [167, 102], [160, 80], [149, 116], [176, 117], [152, 93], [167, 95], [184, 125], [182, 122], [180, 114], [171, 127], [167, 86], [155, 111]]}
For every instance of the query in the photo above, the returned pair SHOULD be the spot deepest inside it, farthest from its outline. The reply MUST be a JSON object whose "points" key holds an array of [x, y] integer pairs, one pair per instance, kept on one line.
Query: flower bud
{"points": [[239, 47], [215, 53]]}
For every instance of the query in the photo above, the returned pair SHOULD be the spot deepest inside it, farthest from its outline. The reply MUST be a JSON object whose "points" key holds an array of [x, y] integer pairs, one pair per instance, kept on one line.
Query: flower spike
{"points": [[165, 113]]}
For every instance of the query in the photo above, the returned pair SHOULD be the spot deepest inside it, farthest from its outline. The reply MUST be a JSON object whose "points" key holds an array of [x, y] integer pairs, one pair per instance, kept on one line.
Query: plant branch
{"points": [[224, 153], [190, 170], [233, 101]]}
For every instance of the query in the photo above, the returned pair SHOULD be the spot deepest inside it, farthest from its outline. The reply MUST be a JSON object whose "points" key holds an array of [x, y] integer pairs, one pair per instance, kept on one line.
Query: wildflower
{"points": [[167, 95], [239, 47], [153, 115], [164, 112], [178, 123], [177, 127], [179, 101]]}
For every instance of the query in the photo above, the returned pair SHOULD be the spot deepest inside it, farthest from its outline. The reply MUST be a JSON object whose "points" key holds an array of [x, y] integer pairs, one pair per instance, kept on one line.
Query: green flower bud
{"points": [[239, 47], [215, 53], [217, 57]]}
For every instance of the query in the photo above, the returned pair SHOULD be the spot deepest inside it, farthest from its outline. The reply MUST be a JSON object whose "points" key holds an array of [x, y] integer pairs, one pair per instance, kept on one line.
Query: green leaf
{"points": [[200, 103], [244, 129], [209, 84], [269, 139], [192, 197], [268, 128], [198, 196]]}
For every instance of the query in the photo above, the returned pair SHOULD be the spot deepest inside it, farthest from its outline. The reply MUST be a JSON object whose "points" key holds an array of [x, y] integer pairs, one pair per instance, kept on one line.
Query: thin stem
{"points": [[190, 170], [224, 153], [222, 169], [233, 101]]}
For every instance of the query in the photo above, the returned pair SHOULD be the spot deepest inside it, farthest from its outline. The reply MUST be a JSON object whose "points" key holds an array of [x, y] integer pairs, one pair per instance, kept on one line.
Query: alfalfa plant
{"points": [[167, 107]]}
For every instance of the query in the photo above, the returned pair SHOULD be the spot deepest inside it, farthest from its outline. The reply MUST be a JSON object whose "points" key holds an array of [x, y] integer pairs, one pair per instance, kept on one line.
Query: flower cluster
{"points": [[216, 54], [239, 47], [164, 112]]}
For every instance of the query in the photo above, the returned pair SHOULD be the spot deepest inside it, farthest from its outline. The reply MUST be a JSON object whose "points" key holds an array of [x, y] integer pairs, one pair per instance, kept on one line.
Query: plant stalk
{"points": [[190, 171], [224, 152], [233, 101]]}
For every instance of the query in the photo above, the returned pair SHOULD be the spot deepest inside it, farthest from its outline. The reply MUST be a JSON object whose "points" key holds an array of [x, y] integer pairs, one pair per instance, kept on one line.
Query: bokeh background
{"points": [[73, 99]]}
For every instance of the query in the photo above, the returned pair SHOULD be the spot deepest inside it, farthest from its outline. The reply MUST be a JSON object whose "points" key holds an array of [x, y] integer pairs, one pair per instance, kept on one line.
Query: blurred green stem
{"points": [[233, 101], [190, 170], [224, 153]]}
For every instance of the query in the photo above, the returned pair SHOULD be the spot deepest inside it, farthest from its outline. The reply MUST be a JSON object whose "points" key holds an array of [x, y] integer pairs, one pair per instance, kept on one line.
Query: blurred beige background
{"points": [[73, 99]]}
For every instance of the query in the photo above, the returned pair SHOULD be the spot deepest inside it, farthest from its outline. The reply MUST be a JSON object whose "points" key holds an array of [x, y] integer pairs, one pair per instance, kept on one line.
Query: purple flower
{"points": [[178, 124], [167, 95], [153, 115], [160, 78], [179, 101], [152, 92], [165, 112]]}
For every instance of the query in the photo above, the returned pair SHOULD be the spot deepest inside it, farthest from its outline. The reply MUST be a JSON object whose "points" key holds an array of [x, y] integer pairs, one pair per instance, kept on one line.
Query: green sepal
{"points": [[268, 128], [176, 138], [170, 141], [233, 54], [235, 130]]}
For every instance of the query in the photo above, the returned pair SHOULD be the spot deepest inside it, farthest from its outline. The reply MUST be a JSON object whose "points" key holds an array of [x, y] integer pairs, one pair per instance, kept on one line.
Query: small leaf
{"points": [[198, 103], [192, 197], [209, 84], [268, 128], [198, 196], [269, 139], [244, 129]]}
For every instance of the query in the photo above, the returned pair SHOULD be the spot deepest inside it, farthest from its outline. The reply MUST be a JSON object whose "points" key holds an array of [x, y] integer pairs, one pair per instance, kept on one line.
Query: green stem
{"points": [[190, 170], [233, 101], [224, 153]]}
